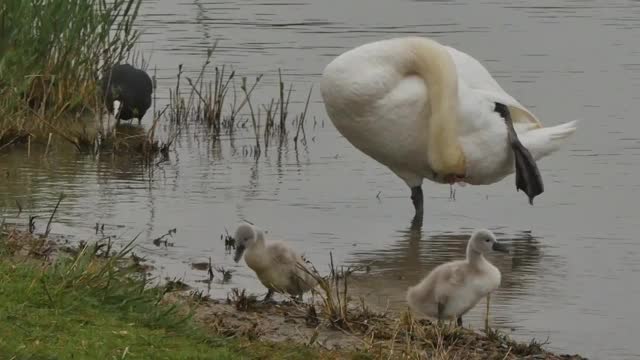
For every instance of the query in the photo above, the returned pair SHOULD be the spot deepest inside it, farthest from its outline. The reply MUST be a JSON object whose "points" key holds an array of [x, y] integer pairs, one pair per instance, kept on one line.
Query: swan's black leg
{"points": [[416, 223], [418, 204], [459, 321], [417, 199], [528, 176]]}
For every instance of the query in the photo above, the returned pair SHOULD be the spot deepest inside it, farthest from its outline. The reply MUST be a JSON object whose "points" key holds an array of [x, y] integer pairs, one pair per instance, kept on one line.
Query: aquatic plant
{"points": [[333, 290], [224, 107]]}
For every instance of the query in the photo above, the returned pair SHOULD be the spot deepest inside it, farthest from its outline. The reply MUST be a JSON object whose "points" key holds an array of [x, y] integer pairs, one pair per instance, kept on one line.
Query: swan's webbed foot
{"points": [[528, 176]]}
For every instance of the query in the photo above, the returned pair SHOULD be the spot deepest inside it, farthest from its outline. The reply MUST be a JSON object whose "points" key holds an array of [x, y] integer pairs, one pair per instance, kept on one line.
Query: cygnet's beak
{"points": [[498, 246], [239, 252]]}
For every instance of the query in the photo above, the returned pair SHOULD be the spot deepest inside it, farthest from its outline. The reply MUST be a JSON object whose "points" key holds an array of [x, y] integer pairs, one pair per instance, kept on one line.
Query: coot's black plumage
{"points": [[131, 87]]}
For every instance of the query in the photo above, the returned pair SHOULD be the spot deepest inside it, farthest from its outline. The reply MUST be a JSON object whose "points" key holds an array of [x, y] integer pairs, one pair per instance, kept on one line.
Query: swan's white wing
{"points": [[477, 77], [281, 254], [287, 267], [449, 277], [474, 73]]}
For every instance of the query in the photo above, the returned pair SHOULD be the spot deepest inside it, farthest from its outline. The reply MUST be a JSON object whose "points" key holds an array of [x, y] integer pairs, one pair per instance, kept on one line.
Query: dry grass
{"points": [[333, 290], [241, 300], [24, 244]]}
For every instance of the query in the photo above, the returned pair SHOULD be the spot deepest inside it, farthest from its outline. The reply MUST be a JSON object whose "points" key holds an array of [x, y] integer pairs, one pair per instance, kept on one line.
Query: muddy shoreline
{"points": [[242, 315], [381, 335]]}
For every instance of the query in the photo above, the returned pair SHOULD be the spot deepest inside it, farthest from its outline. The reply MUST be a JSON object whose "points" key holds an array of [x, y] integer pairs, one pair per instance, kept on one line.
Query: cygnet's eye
{"points": [[488, 240]]}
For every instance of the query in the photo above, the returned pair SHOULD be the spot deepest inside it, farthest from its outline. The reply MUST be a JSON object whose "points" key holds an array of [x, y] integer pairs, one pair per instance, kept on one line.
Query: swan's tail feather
{"points": [[522, 127], [565, 130], [545, 141]]}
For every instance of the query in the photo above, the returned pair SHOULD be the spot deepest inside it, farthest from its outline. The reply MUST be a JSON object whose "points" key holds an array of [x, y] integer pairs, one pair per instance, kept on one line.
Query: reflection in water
{"points": [[98, 186], [24, 178]]}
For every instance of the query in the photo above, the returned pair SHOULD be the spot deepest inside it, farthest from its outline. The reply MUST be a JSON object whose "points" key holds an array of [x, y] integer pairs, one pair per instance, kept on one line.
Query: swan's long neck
{"points": [[260, 242], [474, 257], [433, 63], [255, 252]]}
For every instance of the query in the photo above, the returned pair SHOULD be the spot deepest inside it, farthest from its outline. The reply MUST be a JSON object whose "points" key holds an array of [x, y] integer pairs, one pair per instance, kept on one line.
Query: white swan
{"points": [[277, 266], [452, 289], [426, 110]]}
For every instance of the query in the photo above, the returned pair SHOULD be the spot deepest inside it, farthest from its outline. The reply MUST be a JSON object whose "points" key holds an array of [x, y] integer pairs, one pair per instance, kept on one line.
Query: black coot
{"points": [[127, 90]]}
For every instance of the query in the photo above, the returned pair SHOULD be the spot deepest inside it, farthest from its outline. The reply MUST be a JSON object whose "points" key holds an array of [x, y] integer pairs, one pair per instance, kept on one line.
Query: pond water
{"points": [[574, 275]]}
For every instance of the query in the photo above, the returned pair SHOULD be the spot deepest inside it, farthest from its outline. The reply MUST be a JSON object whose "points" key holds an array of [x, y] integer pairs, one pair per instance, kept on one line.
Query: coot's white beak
{"points": [[116, 107]]}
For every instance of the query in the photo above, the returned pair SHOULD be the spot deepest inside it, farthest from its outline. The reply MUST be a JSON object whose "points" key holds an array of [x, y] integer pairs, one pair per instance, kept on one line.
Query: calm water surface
{"points": [[574, 275]]}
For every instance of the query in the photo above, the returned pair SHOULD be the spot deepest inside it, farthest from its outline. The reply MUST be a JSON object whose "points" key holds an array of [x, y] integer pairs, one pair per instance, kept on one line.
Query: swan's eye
{"points": [[488, 240]]}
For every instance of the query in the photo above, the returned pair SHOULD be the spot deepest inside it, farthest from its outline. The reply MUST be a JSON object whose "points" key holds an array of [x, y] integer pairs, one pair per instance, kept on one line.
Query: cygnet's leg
{"points": [[267, 298], [486, 317], [440, 312], [459, 321], [528, 176]]}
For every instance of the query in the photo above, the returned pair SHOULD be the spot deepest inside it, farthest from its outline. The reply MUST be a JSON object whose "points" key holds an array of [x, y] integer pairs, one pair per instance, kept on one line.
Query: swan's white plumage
{"points": [[477, 77], [277, 266], [384, 108], [457, 285]]}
